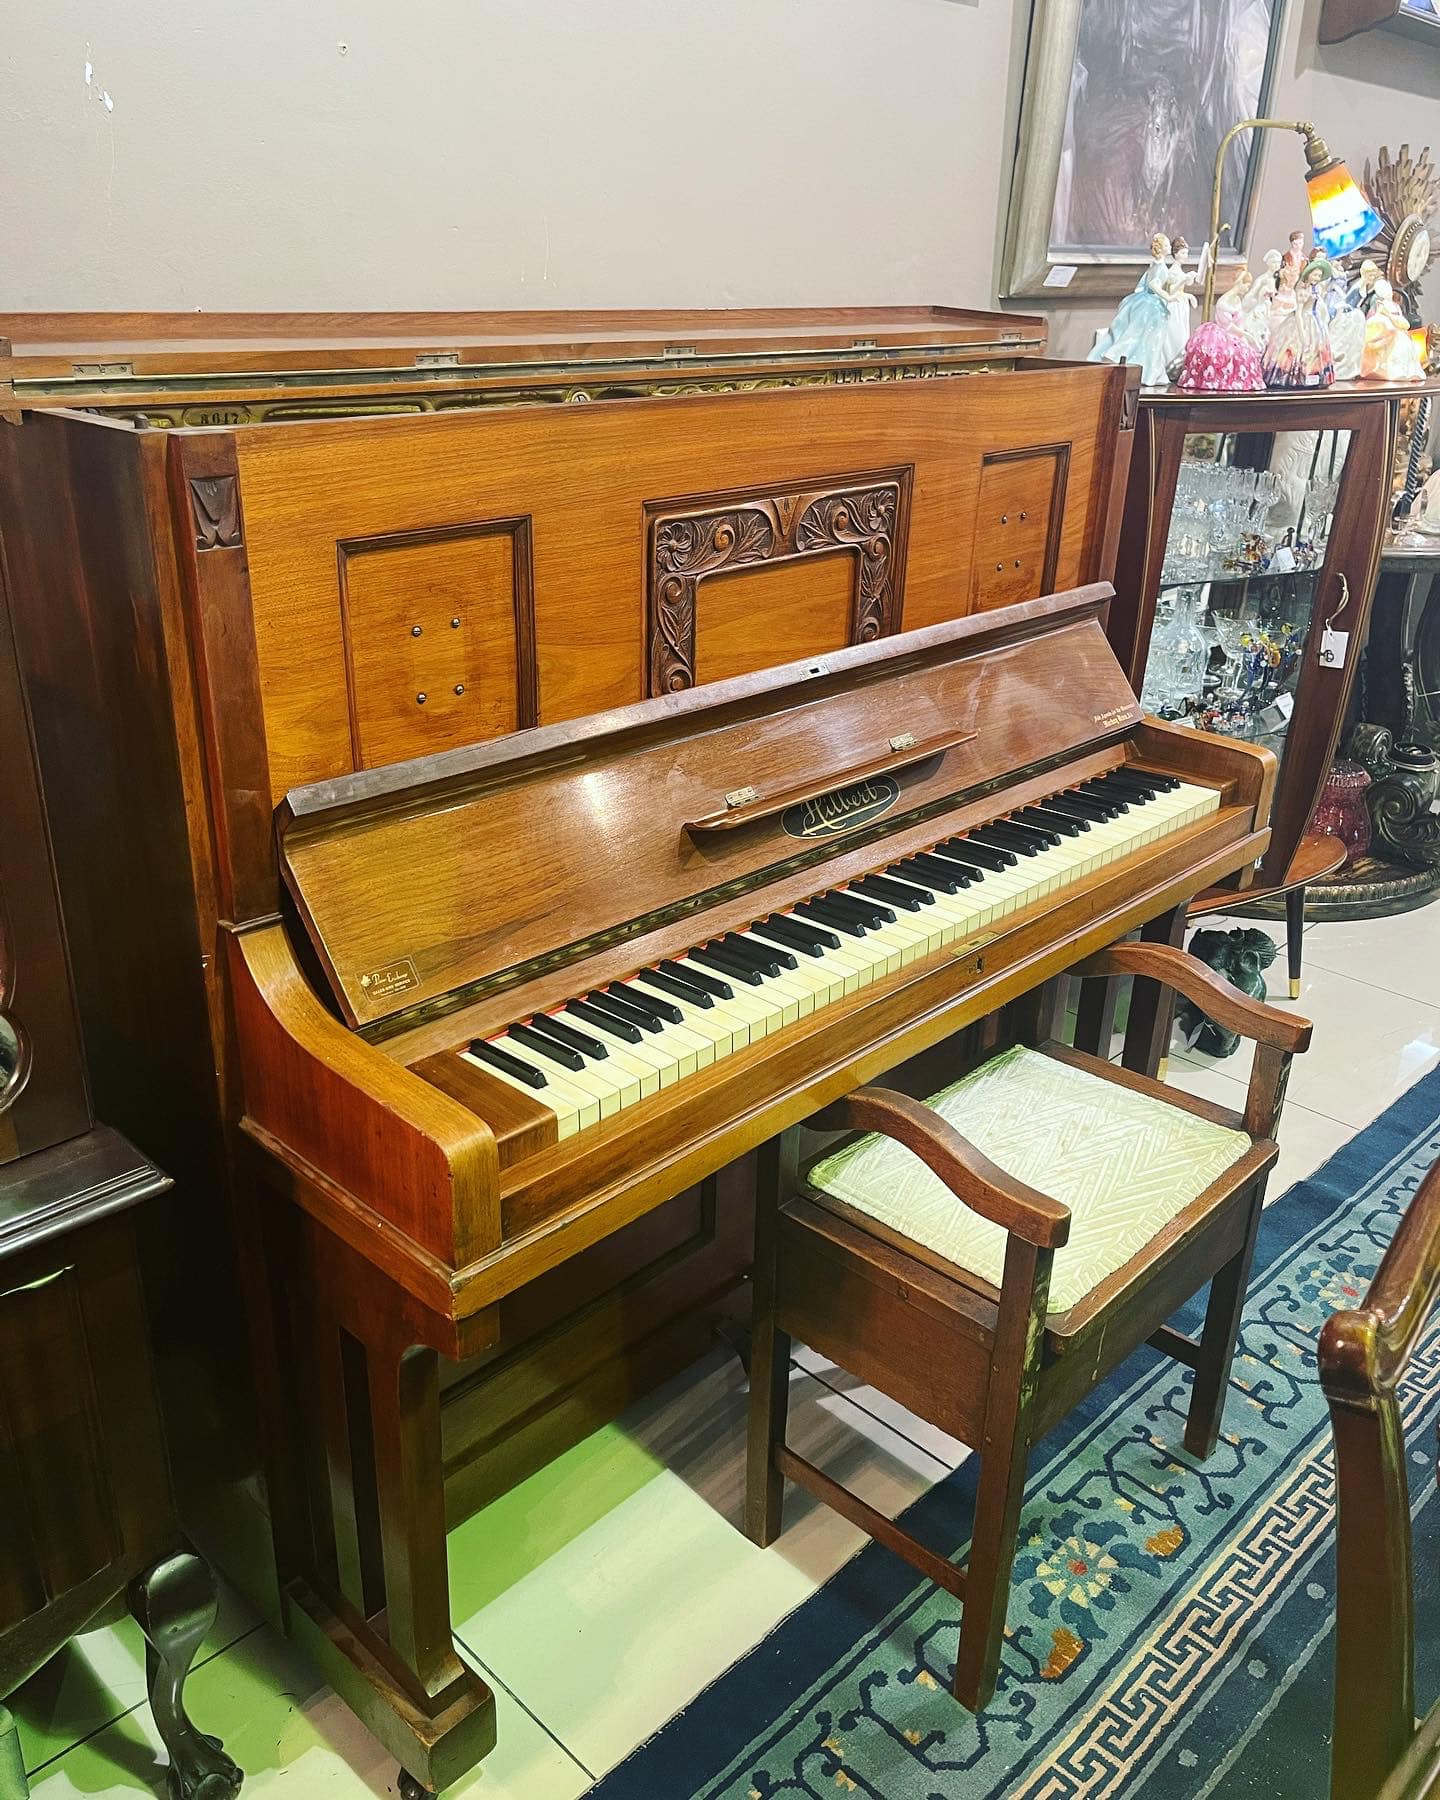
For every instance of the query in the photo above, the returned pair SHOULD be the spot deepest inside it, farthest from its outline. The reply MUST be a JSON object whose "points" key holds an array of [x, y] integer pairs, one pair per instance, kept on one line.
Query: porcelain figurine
{"points": [[1219, 358], [1259, 303], [1391, 354], [1296, 258], [1298, 354], [1362, 289], [1347, 331], [1180, 303], [1139, 333]]}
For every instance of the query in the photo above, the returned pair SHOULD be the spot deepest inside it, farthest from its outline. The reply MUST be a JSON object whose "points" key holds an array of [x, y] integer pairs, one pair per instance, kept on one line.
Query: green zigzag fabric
{"points": [[1123, 1163]]}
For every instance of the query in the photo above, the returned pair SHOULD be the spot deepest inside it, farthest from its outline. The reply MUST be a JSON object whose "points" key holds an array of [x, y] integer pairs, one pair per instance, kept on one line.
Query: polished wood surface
{"points": [[1364, 1353]]}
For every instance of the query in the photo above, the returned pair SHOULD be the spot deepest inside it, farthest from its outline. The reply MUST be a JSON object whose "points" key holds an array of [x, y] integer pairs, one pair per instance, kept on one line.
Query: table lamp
{"points": [[1341, 218]]}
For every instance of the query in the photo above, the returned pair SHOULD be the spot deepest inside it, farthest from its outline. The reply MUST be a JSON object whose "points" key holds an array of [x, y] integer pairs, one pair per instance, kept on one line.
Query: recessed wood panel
{"points": [[1018, 516], [439, 639], [775, 613]]}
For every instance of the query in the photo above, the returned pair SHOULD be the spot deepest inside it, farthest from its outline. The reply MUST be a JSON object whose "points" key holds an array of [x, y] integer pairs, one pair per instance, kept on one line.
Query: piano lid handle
{"points": [[744, 806]]}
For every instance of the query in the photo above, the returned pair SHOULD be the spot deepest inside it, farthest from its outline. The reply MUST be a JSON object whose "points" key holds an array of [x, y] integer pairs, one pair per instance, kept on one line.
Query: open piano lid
{"points": [[435, 880]]}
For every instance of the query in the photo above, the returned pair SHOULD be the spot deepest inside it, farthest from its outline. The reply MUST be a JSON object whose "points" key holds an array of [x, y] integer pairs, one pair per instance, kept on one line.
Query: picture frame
{"points": [[1416, 19], [1175, 79]]}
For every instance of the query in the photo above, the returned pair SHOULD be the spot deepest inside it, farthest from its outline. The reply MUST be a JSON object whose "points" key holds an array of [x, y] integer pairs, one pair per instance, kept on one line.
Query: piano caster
{"points": [[409, 1787]]}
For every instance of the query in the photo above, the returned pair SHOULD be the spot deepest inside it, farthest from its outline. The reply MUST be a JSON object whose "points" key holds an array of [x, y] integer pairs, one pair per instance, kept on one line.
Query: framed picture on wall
{"points": [[1341, 19], [1124, 108]]}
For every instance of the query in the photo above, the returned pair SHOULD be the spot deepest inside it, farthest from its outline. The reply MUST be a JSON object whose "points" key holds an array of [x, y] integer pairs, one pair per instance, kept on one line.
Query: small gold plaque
{"points": [[394, 978]]}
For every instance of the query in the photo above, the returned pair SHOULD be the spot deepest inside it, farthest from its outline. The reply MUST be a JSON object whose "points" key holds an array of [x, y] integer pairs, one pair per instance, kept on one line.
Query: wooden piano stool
{"points": [[942, 1286]]}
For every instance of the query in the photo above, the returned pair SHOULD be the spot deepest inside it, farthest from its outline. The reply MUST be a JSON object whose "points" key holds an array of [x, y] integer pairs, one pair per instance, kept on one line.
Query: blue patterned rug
{"points": [[1170, 1622]]}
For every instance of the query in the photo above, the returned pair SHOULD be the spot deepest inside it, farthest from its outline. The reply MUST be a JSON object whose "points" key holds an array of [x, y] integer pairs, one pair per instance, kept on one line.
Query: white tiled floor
{"points": [[602, 1596]]}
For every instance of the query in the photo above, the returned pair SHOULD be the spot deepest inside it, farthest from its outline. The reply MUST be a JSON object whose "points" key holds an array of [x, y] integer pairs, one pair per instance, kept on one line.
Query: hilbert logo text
{"points": [[842, 809]]}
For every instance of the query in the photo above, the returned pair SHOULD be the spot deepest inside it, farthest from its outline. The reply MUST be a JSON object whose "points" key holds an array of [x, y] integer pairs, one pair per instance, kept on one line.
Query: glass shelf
{"points": [[1228, 644]]}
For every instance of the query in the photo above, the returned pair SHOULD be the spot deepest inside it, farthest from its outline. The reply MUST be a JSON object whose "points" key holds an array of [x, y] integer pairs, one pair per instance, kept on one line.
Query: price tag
{"points": [[1334, 647], [1061, 275]]}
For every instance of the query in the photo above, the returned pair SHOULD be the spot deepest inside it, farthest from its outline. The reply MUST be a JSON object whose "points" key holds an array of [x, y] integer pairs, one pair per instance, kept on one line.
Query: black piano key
{"points": [[831, 917], [567, 1035], [560, 1054], [863, 907], [771, 952], [1044, 834], [1076, 806], [1096, 790], [1002, 832], [606, 1002], [676, 985], [814, 940], [658, 1009], [894, 893], [729, 965], [1121, 781], [604, 1021], [1167, 784], [997, 838], [512, 1065], [927, 872], [710, 984], [1054, 821], [753, 956], [975, 856], [989, 856]]}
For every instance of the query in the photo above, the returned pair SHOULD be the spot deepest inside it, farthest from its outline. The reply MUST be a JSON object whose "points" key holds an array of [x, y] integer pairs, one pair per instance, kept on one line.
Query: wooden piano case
{"points": [[218, 615]]}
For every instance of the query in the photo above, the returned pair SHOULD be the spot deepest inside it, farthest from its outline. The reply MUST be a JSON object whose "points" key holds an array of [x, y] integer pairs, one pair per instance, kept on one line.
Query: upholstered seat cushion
{"points": [[1125, 1164]]}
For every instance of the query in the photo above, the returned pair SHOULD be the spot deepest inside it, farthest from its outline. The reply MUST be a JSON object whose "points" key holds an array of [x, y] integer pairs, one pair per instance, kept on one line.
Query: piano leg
{"points": [[1152, 1006], [776, 1173], [371, 1606]]}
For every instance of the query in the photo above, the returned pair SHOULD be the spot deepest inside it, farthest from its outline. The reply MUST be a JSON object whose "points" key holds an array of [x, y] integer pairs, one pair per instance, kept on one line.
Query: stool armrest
{"points": [[969, 1174], [1213, 993]]}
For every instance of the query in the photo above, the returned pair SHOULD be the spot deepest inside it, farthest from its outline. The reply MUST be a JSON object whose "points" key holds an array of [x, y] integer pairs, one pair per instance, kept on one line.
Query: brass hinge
{"points": [[437, 359], [92, 370]]}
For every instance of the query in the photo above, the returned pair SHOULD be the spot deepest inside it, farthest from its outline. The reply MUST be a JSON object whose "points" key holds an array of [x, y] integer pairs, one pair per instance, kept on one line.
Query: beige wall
{"points": [[343, 153]]}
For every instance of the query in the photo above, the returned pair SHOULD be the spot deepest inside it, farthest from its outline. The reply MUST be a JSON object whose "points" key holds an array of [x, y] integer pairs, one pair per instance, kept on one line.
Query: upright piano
{"points": [[521, 995]]}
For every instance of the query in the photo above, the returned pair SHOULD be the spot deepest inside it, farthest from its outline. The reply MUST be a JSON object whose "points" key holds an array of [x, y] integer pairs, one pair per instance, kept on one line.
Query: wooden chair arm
{"points": [[969, 1174], [1192, 978], [1365, 1351]]}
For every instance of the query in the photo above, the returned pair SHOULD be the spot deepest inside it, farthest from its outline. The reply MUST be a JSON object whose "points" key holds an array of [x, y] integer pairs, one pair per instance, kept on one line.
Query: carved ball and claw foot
{"points": [[174, 1604], [409, 1787]]}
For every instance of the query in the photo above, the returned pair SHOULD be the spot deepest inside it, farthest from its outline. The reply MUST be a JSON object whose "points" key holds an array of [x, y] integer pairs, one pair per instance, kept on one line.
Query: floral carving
{"points": [[688, 547]]}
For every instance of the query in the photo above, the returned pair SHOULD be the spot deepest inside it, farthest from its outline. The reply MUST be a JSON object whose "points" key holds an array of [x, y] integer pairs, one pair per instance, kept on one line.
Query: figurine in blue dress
{"points": [[1140, 331]]}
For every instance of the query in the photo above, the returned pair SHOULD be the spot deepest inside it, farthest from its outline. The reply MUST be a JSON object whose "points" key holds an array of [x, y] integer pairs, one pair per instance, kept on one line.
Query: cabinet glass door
{"points": [[1236, 609]]}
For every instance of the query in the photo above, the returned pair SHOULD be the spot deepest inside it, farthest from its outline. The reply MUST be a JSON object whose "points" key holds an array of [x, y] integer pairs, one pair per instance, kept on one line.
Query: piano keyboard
{"points": [[610, 1048]]}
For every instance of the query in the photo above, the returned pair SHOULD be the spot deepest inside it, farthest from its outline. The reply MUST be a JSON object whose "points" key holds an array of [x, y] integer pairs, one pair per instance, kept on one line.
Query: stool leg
{"points": [[13, 1785], [1217, 1340], [1294, 936], [769, 1347], [987, 1575]]}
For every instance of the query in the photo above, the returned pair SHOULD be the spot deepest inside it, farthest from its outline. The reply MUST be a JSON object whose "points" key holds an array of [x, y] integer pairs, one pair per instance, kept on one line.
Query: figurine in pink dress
{"points": [[1220, 359], [1299, 353]]}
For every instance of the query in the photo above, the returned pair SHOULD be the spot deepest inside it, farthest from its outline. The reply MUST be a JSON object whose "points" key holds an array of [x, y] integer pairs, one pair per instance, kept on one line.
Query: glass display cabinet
{"points": [[1251, 538]]}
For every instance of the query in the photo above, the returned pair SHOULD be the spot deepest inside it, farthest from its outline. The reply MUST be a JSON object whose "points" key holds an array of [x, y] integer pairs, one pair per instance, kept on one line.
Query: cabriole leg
{"points": [[174, 1604]]}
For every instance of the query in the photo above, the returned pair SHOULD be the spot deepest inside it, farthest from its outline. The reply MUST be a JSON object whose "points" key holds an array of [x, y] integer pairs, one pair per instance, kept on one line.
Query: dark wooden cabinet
{"points": [[86, 1516]]}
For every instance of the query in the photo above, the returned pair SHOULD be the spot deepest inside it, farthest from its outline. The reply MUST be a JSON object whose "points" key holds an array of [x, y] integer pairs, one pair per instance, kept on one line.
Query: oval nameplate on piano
{"points": [[842, 809]]}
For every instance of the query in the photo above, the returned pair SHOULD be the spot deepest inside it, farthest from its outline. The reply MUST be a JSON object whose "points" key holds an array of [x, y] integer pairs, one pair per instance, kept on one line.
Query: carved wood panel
{"points": [[865, 517], [439, 629]]}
